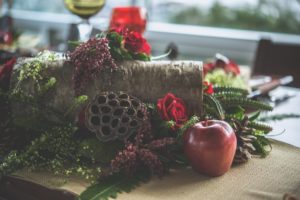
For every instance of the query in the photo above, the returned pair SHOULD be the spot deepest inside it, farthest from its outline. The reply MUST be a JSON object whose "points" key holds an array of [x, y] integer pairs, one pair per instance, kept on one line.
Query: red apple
{"points": [[210, 147]]}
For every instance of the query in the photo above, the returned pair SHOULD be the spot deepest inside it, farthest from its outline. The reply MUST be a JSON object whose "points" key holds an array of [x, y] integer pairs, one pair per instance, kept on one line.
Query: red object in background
{"points": [[221, 62], [6, 38], [134, 18], [5, 73]]}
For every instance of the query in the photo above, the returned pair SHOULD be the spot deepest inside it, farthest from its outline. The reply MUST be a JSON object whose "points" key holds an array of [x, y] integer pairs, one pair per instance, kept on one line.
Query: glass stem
{"points": [[85, 30]]}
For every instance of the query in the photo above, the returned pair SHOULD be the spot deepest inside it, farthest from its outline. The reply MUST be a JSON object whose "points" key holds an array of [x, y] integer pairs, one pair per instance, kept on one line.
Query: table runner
{"points": [[269, 178]]}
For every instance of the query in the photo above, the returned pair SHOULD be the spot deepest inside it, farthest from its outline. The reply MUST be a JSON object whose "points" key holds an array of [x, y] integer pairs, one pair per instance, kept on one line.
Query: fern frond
{"points": [[109, 188], [221, 89], [214, 105], [244, 102]]}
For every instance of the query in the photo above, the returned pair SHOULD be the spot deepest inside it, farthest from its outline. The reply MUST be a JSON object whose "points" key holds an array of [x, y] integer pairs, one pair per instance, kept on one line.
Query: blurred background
{"points": [[199, 29]]}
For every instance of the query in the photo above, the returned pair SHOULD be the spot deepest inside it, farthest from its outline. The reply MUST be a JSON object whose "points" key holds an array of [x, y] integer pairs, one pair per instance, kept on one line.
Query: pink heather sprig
{"points": [[144, 134], [161, 144], [143, 152], [126, 160], [152, 161], [89, 59]]}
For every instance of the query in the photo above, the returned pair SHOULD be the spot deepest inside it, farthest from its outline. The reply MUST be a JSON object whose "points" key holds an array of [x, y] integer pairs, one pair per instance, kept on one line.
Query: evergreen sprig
{"points": [[230, 90], [228, 102], [260, 126]]}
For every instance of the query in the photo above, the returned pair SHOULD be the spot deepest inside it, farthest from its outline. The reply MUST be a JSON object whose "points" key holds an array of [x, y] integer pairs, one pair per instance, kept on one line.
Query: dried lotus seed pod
{"points": [[113, 115]]}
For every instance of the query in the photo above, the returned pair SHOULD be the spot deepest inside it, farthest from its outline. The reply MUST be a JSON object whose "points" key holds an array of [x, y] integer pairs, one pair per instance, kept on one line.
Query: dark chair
{"points": [[278, 59]]}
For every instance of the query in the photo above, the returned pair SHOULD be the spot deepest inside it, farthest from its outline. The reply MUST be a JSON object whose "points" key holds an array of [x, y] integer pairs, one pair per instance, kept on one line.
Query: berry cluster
{"points": [[126, 160], [89, 58], [144, 151]]}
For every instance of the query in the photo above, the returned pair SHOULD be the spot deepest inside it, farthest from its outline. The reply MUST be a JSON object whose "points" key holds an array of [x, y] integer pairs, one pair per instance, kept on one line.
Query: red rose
{"points": [[5, 73], [232, 67], [221, 62], [208, 67], [172, 108], [135, 43], [208, 88], [228, 65], [120, 30]]}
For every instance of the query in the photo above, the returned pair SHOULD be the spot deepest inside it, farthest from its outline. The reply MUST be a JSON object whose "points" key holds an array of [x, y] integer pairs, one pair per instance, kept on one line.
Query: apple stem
{"points": [[206, 122]]}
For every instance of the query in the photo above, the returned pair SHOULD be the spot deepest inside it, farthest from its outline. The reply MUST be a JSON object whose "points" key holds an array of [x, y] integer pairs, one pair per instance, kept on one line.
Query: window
{"points": [[263, 15], [199, 28]]}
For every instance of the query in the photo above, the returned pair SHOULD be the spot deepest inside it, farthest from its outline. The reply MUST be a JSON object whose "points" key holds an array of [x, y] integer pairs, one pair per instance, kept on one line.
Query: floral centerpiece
{"points": [[117, 139], [223, 72]]}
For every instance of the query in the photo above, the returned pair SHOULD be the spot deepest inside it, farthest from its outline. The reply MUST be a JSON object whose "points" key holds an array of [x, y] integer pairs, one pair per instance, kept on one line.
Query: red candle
{"points": [[134, 18]]}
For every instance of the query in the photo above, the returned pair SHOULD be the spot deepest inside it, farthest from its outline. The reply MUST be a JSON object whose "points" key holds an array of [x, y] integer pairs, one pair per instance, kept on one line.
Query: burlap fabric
{"points": [[269, 178]]}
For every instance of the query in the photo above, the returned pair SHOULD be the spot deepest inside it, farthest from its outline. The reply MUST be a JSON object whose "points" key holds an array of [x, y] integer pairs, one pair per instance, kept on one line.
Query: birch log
{"points": [[147, 81]]}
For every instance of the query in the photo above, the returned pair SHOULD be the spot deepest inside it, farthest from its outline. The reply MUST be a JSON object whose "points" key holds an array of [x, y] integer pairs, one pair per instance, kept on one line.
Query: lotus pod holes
{"points": [[114, 115]]}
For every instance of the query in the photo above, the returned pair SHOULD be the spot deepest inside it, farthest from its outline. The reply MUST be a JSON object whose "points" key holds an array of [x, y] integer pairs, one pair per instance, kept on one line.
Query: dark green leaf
{"points": [[254, 116], [141, 56], [214, 105], [237, 112]]}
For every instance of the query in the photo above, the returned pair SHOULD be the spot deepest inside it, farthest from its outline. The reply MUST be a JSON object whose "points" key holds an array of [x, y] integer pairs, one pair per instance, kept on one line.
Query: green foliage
{"points": [[110, 187], [254, 116], [33, 70], [99, 152], [260, 145], [118, 50], [58, 150], [78, 101], [159, 127], [52, 149], [267, 15], [219, 77], [213, 106], [49, 138], [141, 56], [192, 121], [9, 164]]}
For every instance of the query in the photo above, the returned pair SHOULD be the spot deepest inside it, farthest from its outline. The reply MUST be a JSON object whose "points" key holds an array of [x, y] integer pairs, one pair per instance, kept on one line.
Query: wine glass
{"points": [[84, 9]]}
